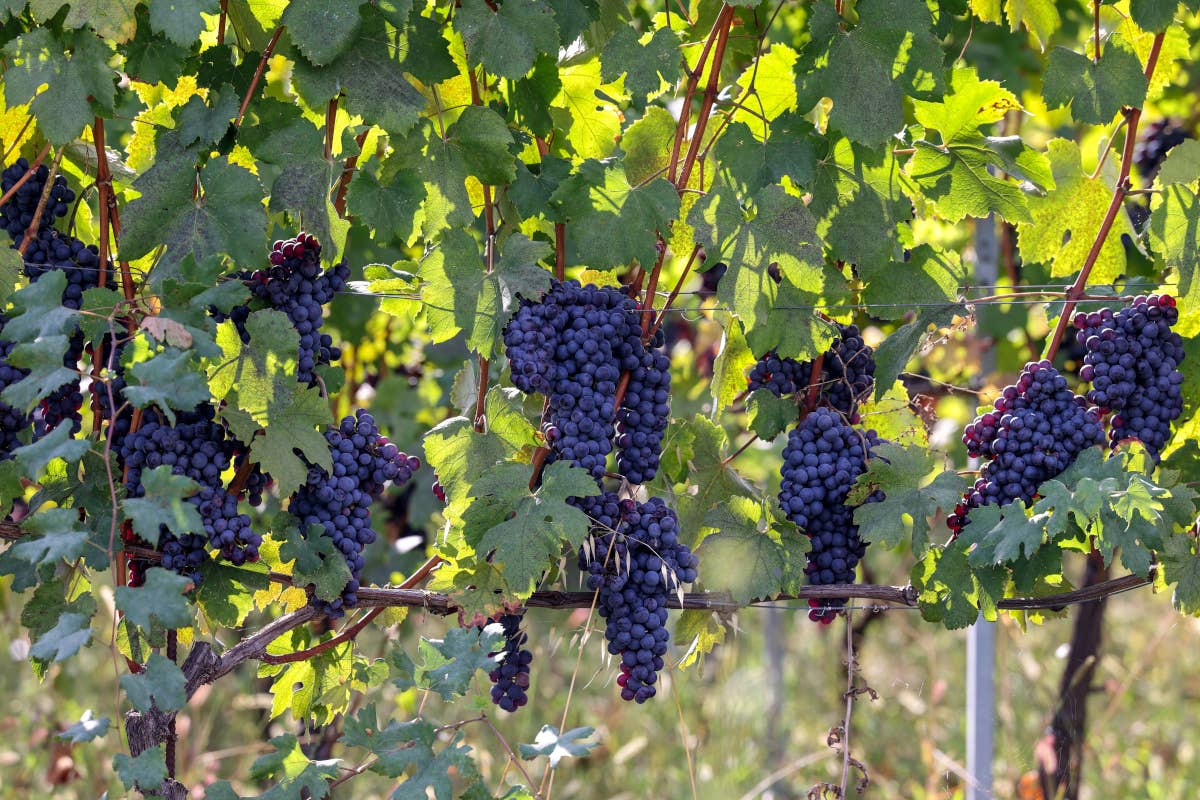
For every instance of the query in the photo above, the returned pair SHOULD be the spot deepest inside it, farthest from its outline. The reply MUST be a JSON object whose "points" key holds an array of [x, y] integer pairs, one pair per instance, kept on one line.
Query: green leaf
{"points": [[507, 41], [295, 772], [1040, 17], [87, 729], [892, 356], [36, 59], [532, 96], [701, 632], [484, 142], [11, 265], [867, 70], [929, 275], [557, 746], [321, 29], [159, 685], [145, 772], [969, 104], [1181, 569], [207, 122], [53, 534], [159, 600], [318, 562], [716, 483], [1063, 225], [585, 110], [748, 163], [428, 57], [645, 66], [396, 747], [1182, 164], [64, 640], [180, 20], [955, 178], [1095, 91], [389, 198], [163, 505], [111, 19], [225, 217], [460, 456], [613, 223], [749, 556], [950, 591], [902, 473], [169, 380], [526, 530], [1174, 233], [59, 443], [1153, 15], [449, 665], [770, 415], [733, 361], [226, 593], [1000, 534]]}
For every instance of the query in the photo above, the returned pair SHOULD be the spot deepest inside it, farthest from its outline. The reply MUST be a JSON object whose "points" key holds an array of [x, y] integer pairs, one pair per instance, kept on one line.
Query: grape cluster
{"points": [[118, 426], [12, 420], [296, 285], [1155, 141], [510, 678], [52, 251], [64, 403], [339, 501], [197, 447], [822, 460], [572, 346], [643, 416], [1132, 362], [846, 379], [17, 215], [636, 561], [1035, 430]]}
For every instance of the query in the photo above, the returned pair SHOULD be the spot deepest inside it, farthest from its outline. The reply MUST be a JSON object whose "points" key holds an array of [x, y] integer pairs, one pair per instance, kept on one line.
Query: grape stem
{"points": [[37, 162], [698, 250], [1133, 115], [35, 223], [722, 23], [729, 458]]}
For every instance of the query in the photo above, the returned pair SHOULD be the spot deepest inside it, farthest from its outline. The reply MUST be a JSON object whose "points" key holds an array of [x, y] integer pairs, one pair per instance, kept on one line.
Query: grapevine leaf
{"points": [[460, 456], [1174, 233], [159, 601], [112, 19], [891, 357], [44, 361], [1153, 15], [951, 592], [226, 217], [748, 163], [42, 313], [226, 593], [318, 562], [928, 275], [1014, 156], [867, 70], [396, 747], [428, 56], [1059, 506], [955, 178], [557, 746], [321, 29], [1040, 17], [1095, 90], [645, 66], [1181, 568], [147, 771], [36, 59], [969, 104], [1064, 223], [221, 790], [446, 203], [746, 556], [53, 534], [574, 17], [1182, 164], [506, 41], [700, 632], [87, 729], [159, 685], [615, 224], [389, 198], [449, 665], [527, 529], [770, 415], [153, 57], [59, 443], [732, 363], [64, 640], [901, 473], [163, 505], [168, 380], [532, 96], [370, 77], [768, 87], [484, 140], [435, 775], [181, 20], [584, 110], [1000, 534], [858, 201], [11, 264], [295, 772], [716, 483]]}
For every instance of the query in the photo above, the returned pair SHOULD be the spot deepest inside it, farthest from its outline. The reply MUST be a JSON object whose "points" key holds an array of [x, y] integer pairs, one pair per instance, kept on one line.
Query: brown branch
{"points": [[652, 287], [1134, 115], [221, 21], [339, 200], [729, 458], [345, 636], [37, 162], [560, 251], [814, 383], [696, 251], [724, 21], [258, 73], [330, 125]]}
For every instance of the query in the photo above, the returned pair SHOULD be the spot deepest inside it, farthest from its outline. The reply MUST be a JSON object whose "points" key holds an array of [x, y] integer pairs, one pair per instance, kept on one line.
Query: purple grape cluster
{"points": [[1035, 430], [636, 561], [296, 285], [120, 423], [572, 347], [52, 251], [17, 215], [822, 460], [510, 678], [643, 416], [65, 402], [1132, 362], [197, 447], [846, 379], [12, 420], [339, 501]]}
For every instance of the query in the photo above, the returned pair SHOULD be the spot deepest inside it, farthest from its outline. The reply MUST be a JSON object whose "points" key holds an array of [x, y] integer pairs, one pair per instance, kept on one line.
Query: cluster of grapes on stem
{"points": [[1038, 426], [844, 380], [575, 345]]}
